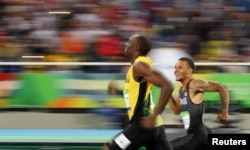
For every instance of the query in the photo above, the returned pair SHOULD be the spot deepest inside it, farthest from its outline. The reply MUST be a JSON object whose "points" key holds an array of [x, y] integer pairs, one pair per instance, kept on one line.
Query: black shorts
{"points": [[192, 141], [134, 136]]}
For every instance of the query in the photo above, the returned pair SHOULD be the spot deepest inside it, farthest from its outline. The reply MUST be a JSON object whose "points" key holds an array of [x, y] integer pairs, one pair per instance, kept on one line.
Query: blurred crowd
{"points": [[95, 30]]}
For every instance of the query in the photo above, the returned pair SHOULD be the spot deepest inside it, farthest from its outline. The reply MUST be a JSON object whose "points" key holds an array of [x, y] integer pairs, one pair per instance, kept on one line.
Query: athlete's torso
{"points": [[131, 92], [191, 113]]}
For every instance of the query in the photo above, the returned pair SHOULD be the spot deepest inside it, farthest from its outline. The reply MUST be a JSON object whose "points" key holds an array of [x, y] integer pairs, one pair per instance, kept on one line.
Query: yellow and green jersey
{"points": [[131, 93]]}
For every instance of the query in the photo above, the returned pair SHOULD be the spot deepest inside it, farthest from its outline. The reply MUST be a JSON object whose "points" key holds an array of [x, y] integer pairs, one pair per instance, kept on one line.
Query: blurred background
{"points": [[75, 96]]}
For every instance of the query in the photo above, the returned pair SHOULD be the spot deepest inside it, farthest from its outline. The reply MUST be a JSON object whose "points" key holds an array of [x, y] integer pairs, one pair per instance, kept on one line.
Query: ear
{"points": [[137, 48]]}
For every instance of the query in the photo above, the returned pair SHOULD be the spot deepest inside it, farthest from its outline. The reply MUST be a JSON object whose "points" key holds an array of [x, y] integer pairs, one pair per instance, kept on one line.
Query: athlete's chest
{"points": [[133, 78], [184, 96], [191, 96]]}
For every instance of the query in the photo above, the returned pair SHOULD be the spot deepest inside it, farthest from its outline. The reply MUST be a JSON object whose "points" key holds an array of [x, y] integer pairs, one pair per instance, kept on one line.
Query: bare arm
{"points": [[175, 105], [144, 71], [210, 86]]}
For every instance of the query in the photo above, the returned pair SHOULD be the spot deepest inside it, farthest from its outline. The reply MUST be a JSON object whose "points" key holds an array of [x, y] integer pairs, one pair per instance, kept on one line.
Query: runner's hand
{"points": [[113, 87], [223, 117]]}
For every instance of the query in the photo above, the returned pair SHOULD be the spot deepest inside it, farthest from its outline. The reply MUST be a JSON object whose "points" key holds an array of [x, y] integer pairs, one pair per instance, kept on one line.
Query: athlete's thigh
{"points": [[146, 137], [132, 138], [160, 142], [160, 145], [188, 142], [134, 145]]}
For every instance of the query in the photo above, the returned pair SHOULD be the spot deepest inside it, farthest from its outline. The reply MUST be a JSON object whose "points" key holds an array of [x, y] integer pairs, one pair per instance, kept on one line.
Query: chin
{"points": [[178, 79]]}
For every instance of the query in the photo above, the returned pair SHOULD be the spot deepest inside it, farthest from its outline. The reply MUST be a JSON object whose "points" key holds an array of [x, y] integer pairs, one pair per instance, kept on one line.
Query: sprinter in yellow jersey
{"points": [[145, 127]]}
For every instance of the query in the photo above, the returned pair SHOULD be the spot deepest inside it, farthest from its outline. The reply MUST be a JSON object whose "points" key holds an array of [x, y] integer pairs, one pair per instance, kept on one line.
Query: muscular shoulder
{"points": [[201, 85], [144, 59], [198, 82], [141, 68], [198, 85], [142, 64]]}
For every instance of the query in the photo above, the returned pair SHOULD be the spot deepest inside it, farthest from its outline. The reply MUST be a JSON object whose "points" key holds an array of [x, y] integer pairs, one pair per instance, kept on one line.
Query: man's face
{"points": [[130, 46], [182, 70]]}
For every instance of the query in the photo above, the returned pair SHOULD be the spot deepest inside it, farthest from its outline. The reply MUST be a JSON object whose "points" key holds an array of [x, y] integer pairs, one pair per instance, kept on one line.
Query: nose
{"points": [[175, 70]]}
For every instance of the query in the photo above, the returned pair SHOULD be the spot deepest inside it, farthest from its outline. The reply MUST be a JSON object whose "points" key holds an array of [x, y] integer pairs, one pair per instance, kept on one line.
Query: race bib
{"points": [[126, 98], [185, 119], [122, 141]]}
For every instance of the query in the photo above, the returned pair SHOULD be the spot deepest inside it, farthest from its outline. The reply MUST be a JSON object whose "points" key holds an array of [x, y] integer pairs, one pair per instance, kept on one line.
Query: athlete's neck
{"points": [[132, 60], [185, 82]]}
